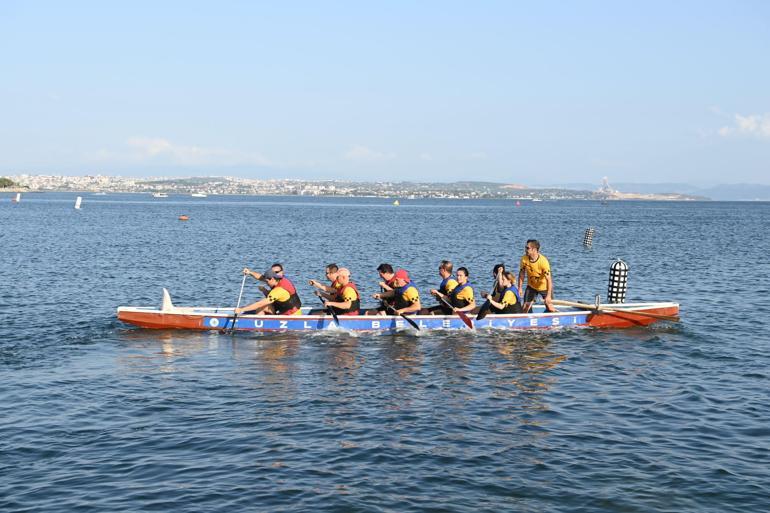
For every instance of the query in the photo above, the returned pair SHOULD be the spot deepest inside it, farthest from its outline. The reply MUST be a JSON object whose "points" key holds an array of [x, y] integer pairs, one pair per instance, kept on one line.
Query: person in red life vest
{"points": [[405, 296], [347, 300], [387, 277], [461, 296], [277, 268], [282, 299], [328, 291]]}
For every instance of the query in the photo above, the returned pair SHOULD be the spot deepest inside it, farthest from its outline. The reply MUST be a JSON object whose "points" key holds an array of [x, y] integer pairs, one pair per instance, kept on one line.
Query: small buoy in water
{"points": [[184, 218], [77, 202], [588, 238], [396, 203], [518, 203]]}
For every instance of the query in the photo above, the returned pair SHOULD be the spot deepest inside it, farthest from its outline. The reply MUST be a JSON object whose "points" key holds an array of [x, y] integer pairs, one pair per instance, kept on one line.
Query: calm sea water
{"points": [[99, 416]]}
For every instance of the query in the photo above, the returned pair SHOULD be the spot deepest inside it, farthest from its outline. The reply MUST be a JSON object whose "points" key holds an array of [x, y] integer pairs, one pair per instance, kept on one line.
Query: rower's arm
{"points": [[258, 305]]}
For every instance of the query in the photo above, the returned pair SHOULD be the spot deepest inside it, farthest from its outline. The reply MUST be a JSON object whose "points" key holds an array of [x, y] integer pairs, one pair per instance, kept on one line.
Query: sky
{"points": [[543, 92]]}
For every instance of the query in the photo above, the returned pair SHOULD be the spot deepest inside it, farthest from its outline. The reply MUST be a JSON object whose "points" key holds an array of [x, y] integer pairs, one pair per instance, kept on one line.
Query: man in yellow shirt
{"points": [[445, 288], [279, 300], [539, 282], [406, 298]]}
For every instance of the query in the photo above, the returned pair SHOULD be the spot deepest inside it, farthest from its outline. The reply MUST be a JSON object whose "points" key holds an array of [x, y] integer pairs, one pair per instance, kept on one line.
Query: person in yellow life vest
{"points": [[461, 297], [347, 300], [406, 297], [508, 300], [282, 299], [538, 271], [328, 291], [445, 288]]}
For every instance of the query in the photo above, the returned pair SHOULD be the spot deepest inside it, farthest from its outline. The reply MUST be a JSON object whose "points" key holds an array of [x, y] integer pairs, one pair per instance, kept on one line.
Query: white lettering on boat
{"points": [[399, 323], [511, 322], [284, 324], [533, 322], [446, 323], [307, 326], [375, 325], [555, 321], [259, 323], [574, 320]]}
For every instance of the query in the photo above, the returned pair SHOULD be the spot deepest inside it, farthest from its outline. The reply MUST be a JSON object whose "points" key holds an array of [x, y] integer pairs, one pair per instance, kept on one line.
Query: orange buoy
{"points": [[184, 218]]}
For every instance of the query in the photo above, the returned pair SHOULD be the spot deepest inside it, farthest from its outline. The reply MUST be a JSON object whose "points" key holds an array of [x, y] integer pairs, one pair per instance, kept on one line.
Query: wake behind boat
{"points": [[211, 318]]}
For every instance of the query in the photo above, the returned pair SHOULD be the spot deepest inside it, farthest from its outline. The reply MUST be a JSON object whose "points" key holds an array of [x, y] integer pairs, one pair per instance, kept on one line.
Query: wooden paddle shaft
{"points": [[612, 310]]}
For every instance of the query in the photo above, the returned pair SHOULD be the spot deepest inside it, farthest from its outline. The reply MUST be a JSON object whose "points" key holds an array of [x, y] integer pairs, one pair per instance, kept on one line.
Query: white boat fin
{"points": [[167, 305]]}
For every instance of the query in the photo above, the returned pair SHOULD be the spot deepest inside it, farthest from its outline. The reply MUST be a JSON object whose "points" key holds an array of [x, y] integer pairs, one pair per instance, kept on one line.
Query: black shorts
{"points": [[531, 294]]}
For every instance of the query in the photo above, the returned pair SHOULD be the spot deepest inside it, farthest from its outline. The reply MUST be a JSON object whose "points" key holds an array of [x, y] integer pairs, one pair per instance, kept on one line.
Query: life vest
{"points": [[442, 286], [454, 300], [399, 302], [509, 309], [292, 304], [355, 305]]}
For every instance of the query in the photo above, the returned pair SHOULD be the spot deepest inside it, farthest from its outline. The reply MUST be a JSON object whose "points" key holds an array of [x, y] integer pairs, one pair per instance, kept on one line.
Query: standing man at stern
{"points": [[538, 271]]}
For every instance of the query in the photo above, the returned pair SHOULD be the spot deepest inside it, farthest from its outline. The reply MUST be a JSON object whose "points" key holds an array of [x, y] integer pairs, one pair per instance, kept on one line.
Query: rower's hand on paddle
{"points": [[484, 294], [246, 271], [382, 284], [377, 296], [434, 292]]}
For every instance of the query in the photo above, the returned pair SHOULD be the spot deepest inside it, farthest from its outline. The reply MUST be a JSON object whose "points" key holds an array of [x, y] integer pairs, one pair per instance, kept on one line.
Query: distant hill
{"points": [[722, 192]]}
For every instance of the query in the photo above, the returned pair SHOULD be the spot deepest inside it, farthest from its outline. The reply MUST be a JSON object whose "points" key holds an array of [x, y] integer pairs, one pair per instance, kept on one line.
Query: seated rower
{"points": [[507, 301], [445, 288], [277, 268], [282, 298], [347, 300], [387, 277], [328, 291], [406, 297], [461, 297]]}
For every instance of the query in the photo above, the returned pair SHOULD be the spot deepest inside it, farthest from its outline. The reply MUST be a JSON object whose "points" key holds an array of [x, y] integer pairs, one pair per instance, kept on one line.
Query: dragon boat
{"points": [[624, 315]]}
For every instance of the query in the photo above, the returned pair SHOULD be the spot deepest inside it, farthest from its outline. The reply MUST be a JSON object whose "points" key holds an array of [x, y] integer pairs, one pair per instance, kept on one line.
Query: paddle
{"points": [[460, 314], [329, 309], [584, 306], [484, 310], [410, 321], [235, 314]]}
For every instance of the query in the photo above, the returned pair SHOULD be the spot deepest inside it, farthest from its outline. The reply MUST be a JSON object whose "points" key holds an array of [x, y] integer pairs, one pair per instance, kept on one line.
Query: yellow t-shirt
{"points": [[411, 295], [537, 272], [451, 284], [280, 294], [509, 298], [349, 294], [466, 294]]}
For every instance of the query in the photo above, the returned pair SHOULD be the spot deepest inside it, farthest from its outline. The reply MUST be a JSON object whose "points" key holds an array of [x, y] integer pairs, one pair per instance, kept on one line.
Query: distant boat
{"points": [[396, 203], [159, 195], [536, 199], [199, 195], [17, 198], [78, 201], [100, 194]]}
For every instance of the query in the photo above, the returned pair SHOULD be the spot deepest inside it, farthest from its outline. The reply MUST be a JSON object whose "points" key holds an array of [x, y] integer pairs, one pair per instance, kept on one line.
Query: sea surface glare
{"points": [[96, 415]]}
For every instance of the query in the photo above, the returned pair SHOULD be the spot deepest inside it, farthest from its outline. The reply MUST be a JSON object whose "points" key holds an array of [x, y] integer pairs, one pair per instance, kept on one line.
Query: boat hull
{"points": [[222, 319]]}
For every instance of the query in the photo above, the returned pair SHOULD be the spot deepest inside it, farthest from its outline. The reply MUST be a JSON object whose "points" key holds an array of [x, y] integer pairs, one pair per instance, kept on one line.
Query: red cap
{"points": [[401, 275]]}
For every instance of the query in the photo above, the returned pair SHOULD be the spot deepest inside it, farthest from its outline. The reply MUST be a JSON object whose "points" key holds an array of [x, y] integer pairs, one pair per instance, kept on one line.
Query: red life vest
{"points": [[355, 305], [291, 305]]}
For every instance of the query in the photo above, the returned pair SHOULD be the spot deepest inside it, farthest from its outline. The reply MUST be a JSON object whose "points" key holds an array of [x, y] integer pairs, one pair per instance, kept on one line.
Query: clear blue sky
{"points": [[522, 92]]}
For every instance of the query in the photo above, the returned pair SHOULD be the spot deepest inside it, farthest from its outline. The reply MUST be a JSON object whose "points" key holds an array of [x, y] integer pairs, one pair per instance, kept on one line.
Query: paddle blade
{"points": [[410, 321], [465, 319]]}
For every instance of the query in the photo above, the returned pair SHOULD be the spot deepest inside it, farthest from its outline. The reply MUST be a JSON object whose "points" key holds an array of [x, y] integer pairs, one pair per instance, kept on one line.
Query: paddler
{"points": [[282, 298], [331, 290], [538, 271], [461, 297], [277, 268], [508, 299], [406, 297], [387, 277], [347, 300], [445, 288]]}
